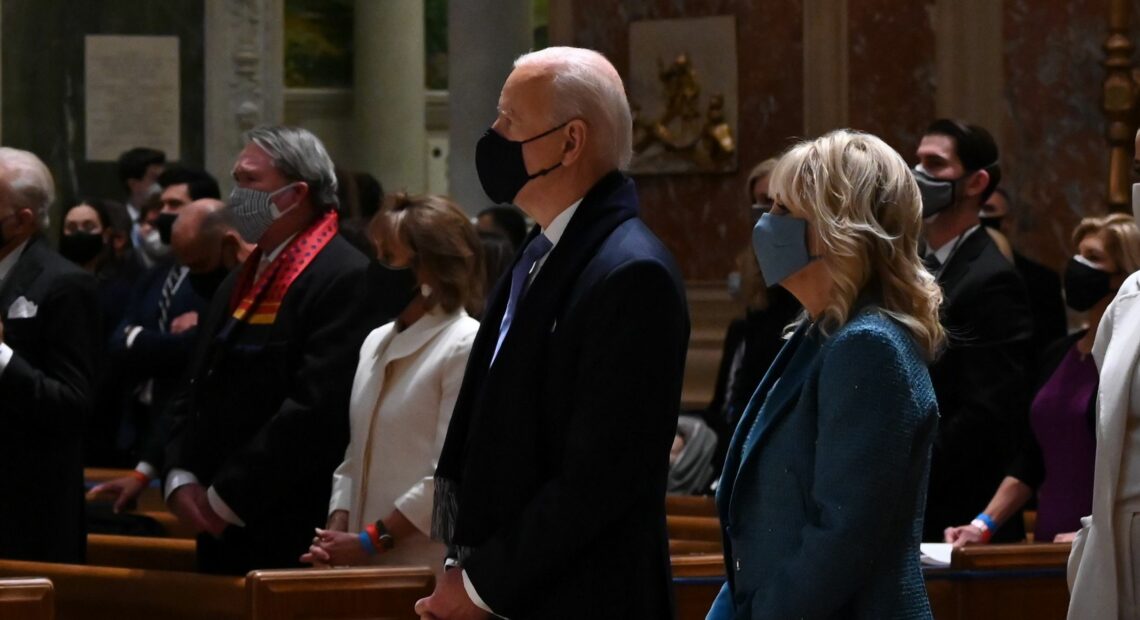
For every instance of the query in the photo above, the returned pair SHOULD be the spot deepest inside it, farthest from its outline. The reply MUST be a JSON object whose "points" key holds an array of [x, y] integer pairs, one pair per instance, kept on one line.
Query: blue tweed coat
{"points": [[824, 485]]}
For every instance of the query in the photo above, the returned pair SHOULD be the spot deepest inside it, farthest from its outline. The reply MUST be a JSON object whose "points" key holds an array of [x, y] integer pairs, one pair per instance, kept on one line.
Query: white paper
{"points": [[132, 88], [936, 554]]}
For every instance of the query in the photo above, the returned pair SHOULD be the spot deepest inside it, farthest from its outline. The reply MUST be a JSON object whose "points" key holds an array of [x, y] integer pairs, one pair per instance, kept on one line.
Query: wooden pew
{"points": [[690, 506], [696, 581], [105, 593], [336, 594], [693, 528], [27, 599], [1020, 581], [177, 554]]}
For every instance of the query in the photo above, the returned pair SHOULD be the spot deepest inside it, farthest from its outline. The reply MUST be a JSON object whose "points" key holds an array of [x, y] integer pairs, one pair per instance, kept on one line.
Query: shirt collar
{"points": [[9, 261], [558, 225], [272, 255], [943, 253]]}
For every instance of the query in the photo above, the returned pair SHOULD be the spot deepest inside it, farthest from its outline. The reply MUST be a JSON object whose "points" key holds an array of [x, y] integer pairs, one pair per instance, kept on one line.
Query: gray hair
{"points": [[29, 181], [300, 156], [585, 85]]}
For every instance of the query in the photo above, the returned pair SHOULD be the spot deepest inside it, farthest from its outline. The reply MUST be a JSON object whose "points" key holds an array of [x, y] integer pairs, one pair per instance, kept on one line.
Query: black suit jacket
{"points": [[45, 394], [157, 354], [559, 450], [982, 385], [1044, 288], [266, 419]]}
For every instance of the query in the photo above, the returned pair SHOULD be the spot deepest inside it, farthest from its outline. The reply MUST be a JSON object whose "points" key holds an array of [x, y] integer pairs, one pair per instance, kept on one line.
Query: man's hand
{"points": [[123, 490], [215, 525], [185, 502], [964, 535], [449, 601], [184, 322]]}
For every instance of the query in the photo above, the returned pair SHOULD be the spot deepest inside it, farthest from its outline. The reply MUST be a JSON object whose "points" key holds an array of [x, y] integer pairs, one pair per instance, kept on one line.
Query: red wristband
{"points": [[141, 477], [374, 536]]}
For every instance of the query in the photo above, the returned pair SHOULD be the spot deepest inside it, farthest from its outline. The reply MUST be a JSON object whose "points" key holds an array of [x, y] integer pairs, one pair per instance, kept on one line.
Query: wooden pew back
{"points": [[107, 593], [344, 593], [27, 599], [177, 554]]}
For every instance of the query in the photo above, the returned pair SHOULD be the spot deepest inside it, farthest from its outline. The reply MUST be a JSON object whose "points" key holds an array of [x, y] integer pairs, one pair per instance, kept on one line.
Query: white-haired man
{"points": [[49, 328], [266, 419], [550, 486]]}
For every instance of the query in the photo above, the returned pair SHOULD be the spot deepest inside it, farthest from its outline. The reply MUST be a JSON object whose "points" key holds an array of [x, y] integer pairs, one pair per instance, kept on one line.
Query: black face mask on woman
{"points": [[398, 287], [1085, 284], [501, 167], [80, 247]]}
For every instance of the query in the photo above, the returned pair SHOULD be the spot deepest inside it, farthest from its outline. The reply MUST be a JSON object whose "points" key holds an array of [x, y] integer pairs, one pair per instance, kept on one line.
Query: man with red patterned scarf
{"points": [[265, 420]]}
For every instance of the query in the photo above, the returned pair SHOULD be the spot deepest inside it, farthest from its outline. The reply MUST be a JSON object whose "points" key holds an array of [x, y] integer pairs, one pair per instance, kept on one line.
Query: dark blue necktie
{"points": [[535, 250]]}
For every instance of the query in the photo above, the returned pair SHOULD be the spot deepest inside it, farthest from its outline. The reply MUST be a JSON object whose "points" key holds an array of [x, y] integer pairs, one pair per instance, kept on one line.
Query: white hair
{"points": [[585, 85], [29, 181]]}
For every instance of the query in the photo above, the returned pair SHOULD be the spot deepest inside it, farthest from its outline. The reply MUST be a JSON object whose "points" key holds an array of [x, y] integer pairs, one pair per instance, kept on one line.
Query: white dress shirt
{"points": [[947, 250]]}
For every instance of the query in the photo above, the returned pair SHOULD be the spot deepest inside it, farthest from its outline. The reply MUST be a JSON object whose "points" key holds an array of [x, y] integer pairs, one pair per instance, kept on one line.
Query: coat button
{"points": [[738, 565]]}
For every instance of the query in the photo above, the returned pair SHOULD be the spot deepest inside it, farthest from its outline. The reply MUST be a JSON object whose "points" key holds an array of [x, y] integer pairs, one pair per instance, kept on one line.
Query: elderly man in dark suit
{"points": [[981, 380], [49, 329], [550, 486], [267, 411]]}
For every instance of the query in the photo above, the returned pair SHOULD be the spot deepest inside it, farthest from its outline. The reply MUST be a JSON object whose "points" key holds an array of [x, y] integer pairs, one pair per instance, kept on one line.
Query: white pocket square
{"points": [[22, 309]]}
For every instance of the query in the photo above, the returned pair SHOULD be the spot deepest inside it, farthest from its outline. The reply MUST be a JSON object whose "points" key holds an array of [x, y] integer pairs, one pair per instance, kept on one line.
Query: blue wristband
{"points": [[985, 518], [366, 543]]}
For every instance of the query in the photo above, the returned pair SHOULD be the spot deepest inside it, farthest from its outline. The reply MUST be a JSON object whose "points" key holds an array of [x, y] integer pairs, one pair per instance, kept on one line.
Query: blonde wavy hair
{"points": [[859, 196], [1121, 238]]}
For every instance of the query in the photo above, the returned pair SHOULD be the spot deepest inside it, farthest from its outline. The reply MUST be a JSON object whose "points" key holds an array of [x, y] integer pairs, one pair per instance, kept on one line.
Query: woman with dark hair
{"points": [[405, 388]]}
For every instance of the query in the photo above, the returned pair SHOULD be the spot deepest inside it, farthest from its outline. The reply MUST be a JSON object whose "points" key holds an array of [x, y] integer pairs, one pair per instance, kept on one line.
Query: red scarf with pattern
{"points": [[258, 304]]}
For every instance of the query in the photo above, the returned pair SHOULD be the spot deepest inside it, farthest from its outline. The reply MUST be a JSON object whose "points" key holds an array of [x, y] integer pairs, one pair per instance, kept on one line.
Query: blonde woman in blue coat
{"points": [[824, 485]]}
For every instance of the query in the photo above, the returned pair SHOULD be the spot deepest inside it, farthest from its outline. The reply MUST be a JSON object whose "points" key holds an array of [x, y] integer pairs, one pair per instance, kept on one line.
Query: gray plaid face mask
{"points": [[253, 211]]}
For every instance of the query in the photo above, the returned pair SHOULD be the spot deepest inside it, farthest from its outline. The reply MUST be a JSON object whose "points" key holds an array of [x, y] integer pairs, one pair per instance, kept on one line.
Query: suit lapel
{"points": [[27, 268], [740, 445]]}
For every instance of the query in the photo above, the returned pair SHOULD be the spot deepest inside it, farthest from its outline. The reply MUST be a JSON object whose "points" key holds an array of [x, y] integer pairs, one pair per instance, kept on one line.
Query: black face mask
{"points": [[991, 222], [500, 164], [81, 247], [937, 194], [165, 225], [398, 287], [1085, 285], [206, 284]]}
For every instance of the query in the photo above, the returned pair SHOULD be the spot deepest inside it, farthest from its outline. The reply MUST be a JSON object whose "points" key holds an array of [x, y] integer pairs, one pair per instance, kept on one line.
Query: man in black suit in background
{"points": [[981, 378], [550, 488], [49, 327], [266, 421]]}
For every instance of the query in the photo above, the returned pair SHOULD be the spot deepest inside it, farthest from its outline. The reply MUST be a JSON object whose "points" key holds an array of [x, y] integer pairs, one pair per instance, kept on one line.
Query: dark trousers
{"points": [[242, 549]]}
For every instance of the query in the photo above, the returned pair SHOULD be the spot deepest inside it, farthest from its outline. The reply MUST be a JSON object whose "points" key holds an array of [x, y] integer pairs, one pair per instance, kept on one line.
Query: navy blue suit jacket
{"points": [[560, 448], [822, 494], [157, 354]]}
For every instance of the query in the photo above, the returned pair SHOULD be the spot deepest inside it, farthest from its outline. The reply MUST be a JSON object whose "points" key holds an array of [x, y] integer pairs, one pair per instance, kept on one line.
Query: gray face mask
{"points": [[153, 246], [254, 211]]}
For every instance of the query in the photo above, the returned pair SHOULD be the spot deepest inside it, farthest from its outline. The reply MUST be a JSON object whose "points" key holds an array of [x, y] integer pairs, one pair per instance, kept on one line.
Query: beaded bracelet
{"points": [[986, 524], [373, 535], [366, 543]]}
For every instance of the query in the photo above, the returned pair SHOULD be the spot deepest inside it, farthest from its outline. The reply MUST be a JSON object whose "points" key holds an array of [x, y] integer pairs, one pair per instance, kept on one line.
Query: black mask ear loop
{"points": [[544, 171]]}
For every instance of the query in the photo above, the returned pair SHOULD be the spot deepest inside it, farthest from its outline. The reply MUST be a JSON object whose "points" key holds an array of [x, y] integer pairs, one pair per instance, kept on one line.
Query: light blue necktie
{"points": [[535, 250]]}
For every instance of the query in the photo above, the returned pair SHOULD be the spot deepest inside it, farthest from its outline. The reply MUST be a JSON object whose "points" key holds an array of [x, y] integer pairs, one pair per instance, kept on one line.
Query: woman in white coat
{"points": [[1104, 567], [405, 388]]}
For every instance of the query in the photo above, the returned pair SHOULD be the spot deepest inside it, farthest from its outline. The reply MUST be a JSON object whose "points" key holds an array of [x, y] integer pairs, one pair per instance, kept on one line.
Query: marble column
{"points": [[388, 100], [970, 62], [825, 66], [484, 39], [245, 76]]}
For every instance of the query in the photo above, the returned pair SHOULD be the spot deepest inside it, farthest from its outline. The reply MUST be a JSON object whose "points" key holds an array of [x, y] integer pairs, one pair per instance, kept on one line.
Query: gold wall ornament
{"points": [[684, 109]]}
